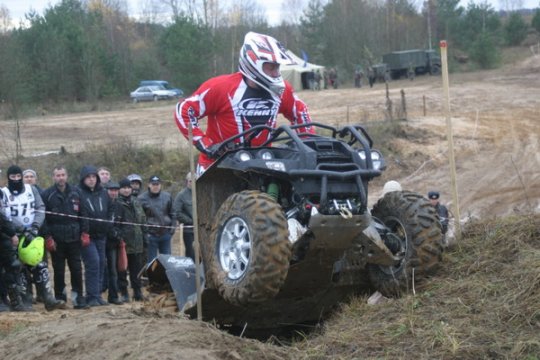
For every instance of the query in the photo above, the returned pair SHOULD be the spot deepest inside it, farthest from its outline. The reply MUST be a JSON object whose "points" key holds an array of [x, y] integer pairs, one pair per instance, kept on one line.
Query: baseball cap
{"points": [[135, 177], [112, 185], [154, 179], [433, 195]]}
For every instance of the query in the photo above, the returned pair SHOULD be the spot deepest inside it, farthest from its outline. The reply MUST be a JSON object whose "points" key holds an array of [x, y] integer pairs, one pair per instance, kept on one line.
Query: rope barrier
{"points": [[46, 212]]}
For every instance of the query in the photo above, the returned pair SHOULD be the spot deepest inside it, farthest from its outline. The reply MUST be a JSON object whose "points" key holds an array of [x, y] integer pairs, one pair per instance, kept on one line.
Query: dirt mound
{"points": [[125, 333]]}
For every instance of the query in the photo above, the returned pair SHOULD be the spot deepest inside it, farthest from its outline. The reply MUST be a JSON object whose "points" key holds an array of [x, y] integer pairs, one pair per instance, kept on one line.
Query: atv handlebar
{"points": [[356, 133]]}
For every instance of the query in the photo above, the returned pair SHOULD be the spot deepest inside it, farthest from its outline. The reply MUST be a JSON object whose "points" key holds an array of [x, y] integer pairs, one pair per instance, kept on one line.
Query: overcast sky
{"points": [[17, 8]]}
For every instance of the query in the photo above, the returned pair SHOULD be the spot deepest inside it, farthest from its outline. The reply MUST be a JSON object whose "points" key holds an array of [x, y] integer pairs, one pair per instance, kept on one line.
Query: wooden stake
{"points": [[195, 223], [446, 87]]}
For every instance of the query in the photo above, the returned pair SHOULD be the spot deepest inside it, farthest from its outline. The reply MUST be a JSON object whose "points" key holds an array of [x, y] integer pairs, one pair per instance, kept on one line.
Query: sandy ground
{"points": [[496, 123]]}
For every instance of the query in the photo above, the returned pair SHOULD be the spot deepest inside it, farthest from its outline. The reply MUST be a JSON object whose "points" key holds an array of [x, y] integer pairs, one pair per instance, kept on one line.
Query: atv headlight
{"points": [[243, 156], [275, 165], [376, 158], [362, 154], [265, 155]]}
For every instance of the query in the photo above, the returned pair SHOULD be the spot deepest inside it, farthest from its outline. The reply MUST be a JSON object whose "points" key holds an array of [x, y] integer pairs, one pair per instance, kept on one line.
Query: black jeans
{"points": [[134, 266], [112, 272], [188, 244], [70, 252]]}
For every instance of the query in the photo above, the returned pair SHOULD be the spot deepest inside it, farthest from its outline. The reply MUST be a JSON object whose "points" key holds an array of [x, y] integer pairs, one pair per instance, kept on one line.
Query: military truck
{"points": [[412, 62]]}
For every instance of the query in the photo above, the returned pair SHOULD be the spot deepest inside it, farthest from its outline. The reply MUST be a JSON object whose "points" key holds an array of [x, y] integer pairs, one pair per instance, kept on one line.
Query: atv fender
{"points": [[179, 272]]}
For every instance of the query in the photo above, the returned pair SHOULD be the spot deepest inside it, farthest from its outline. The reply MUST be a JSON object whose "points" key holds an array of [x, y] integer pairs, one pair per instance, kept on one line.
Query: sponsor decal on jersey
{"points": [[257, 107]]}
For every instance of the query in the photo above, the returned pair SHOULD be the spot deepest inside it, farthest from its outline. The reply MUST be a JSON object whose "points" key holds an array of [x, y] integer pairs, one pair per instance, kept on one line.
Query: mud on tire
{"points": [[409, 213], [250, 250]]}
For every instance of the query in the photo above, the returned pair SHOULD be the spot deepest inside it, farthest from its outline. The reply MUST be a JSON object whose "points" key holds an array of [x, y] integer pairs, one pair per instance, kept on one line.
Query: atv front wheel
{"points": [[251, 250], [415, 237]]}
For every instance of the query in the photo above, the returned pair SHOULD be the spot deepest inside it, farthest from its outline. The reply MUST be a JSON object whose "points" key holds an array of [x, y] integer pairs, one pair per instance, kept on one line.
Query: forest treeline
{"points": [[90, 50]]}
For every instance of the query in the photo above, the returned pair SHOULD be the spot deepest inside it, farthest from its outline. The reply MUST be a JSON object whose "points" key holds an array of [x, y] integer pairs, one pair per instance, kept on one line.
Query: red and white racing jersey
{"points": [[232, 107]]}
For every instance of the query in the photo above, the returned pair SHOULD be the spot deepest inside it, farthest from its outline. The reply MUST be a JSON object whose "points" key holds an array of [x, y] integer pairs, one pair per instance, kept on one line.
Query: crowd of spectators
{"points": [[88, 223]]}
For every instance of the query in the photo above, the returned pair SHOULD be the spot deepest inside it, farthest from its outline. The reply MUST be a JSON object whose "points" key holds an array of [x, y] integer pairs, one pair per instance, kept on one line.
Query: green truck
{"points": [[412, 62]]}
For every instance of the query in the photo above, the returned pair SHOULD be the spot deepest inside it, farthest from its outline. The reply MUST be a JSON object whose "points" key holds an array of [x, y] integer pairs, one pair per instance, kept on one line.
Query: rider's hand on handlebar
{"points": [[216, 150]]}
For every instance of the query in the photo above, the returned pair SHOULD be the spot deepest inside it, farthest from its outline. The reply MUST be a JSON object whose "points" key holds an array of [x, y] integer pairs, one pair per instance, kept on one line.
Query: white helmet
{"points": [[390, 186], [257, 50]]}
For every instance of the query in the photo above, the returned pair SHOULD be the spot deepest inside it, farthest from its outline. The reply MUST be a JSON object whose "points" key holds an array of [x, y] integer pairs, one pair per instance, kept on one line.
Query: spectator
{"points": [[97, 206], [333, 78], [62, 231], [25, 208], [391, 186], [226, 99], [442, 210], [104, 175], [112, 189], [371, 76], [110, 277], [136, 183], [311, 79], [318, 80], [129, 217], [30, 177], [10, 267], [358, 74], [157, 205], [183, 210]]}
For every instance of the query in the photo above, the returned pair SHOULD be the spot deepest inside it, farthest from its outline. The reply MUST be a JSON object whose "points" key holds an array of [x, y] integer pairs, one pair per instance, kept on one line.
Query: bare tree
{"points": [[5, 19], [291, 11], [511, 5]]}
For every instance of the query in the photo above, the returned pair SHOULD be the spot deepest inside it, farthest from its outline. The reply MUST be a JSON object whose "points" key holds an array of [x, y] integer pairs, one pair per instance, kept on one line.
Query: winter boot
{"points": [[51, 303], [41, 276], [79, 302], [137, 295], [124, 297], [16, 301]]}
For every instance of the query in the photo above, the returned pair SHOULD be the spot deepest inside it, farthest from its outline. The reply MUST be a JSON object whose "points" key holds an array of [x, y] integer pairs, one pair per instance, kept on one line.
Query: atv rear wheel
{"points": [[416, 236], [251, 250]]}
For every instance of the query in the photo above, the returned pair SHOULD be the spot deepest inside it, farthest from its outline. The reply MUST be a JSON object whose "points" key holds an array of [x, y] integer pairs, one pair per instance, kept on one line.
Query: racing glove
{"points": [[50, 244], [31, 233], [85, 239], [205, 146]]}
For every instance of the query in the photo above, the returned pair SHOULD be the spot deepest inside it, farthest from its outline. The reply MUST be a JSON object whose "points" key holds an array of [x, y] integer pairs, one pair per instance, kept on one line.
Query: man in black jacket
{"points": [[98, 207], [183, 210], [62, 231], [442, 210], [157, 205]]}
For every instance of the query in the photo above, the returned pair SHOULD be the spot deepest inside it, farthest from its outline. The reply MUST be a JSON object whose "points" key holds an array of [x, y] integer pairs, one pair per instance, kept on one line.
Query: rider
{"points": [[236, 102], [25, 208]]}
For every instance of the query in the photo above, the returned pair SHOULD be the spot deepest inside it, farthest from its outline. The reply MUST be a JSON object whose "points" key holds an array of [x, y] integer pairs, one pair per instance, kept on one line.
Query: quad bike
{"points": [[286, 233]]}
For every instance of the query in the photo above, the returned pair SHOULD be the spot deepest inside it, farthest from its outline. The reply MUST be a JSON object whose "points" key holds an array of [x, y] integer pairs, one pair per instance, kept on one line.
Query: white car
{"points": [[152, 93]]}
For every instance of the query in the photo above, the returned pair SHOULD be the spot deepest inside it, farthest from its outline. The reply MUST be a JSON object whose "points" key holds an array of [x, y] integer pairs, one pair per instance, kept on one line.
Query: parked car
{"points": [[163, 83], [152, 93]]}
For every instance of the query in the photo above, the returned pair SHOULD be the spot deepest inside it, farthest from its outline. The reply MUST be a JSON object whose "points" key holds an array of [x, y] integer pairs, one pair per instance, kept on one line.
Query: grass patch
{"points": [[122, 158], [484, 303]]}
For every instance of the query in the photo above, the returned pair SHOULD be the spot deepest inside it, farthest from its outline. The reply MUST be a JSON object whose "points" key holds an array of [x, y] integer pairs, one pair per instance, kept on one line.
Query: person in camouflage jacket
{"points": [[129, 220]]}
